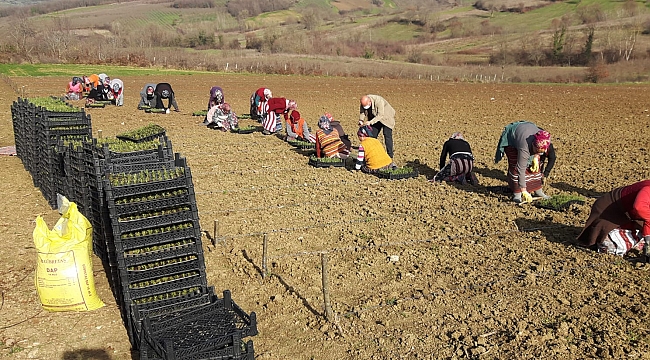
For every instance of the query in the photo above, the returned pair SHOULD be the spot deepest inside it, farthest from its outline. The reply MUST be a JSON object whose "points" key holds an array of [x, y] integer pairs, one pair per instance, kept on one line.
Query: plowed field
{"points": [[477, 276]]}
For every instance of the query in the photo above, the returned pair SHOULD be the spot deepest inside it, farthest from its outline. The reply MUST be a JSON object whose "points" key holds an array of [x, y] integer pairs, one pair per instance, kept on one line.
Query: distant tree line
{"points": [[239, 8]]}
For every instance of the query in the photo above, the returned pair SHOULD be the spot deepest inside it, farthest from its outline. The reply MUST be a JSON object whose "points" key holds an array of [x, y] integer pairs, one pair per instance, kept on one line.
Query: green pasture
{"points": [[396, 32], [78, 70]]}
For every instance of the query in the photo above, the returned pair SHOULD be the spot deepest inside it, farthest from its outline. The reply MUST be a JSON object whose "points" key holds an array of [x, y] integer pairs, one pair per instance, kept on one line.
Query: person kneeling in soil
{"points": [[372, 156], [273, 108], [117, 93], [99, 93], [297, 128], [147, 97], [165, 91], [335, 124], [221, 117], [216, 97], [74, 89], [526, 146], [619, 220], [461, 161], [328, 141]]}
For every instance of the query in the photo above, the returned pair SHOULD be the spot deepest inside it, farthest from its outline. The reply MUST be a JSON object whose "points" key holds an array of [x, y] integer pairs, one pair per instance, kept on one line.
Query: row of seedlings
{"points": [[157, 264], [309, 148], [39, 125]]}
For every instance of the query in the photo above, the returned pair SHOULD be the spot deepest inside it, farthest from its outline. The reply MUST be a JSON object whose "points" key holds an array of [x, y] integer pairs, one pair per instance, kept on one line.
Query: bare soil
{"points": [[477, 276]]}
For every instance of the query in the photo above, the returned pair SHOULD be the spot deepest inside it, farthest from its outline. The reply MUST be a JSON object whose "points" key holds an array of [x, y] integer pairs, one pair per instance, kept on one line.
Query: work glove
{"points": [[534, 166], [526, 197]]}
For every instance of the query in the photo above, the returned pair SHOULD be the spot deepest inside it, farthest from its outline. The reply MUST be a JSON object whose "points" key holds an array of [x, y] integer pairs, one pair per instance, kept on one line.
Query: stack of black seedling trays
{"points": [[75, 186], [19, 121], [52, 127], [213, 331], [99, 158], [156, 246]]}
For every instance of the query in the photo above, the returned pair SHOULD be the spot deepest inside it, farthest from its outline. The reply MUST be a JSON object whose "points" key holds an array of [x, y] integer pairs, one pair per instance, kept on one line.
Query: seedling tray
{"points": [[155, 111], [129, 243], [156, 221], [184, 182], [200, 113], [162, 309], [146, 205], [126, 260], [182, 266], [326, 162], [307, 146], [559, 202], [165, 287], [392, 176], [246, 130], [96, 105]]}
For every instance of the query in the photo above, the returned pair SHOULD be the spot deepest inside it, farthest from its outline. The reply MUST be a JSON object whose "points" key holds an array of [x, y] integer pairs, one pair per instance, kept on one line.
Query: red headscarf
{"points": [[542, 140]]}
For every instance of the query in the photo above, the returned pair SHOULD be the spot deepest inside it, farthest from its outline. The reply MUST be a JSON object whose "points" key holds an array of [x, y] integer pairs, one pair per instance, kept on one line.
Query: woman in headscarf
{"points": [[216, 97], [619, 220], [117, 91], [222, 117], [147, 96], [336, 125], [372, 156], [461, 161], [524, 144], [258, 101], [297, 128], [328, 141], [74, 89], [165, 91]]}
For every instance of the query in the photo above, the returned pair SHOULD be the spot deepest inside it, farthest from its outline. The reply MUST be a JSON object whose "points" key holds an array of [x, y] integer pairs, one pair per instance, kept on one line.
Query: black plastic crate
{"points": [[141, 140], [183, 182], [198, 278], [385, 175], [205, 329], [144, 205], [182, 266], [156, 221], [124, 243], [318, 163], [126, 260]]}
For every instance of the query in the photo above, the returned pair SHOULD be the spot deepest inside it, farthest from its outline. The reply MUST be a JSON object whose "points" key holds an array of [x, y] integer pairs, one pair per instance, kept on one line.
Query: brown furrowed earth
{"points": [[477, 276]]}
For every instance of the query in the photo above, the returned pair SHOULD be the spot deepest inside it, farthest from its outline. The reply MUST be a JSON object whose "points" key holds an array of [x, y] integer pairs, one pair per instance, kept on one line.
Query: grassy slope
{"points": [[76, 70], [135, 16]]}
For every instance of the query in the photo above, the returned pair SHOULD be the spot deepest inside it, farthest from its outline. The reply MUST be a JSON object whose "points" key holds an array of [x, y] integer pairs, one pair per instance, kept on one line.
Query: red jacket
{"points": [[260, 92], [635, 200], [277, 105]]}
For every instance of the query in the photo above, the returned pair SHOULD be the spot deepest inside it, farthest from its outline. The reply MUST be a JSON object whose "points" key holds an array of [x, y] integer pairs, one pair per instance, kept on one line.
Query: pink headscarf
{"points": [[291, 105], [542, 140], [457, 135]]}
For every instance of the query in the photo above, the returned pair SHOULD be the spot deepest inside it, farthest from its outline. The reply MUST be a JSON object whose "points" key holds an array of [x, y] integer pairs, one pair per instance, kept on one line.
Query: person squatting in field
{"points": [[273, 108], [372, 156], [93, 82], [117, 92], [461, 161], [74, 89], [165, 91], [376, 112], [335, 124], [619, 220], [147, 97], [328, 140], [258, 101], [216, 97], [526, 147], [297, 128], [221, 117], [101, 92]]}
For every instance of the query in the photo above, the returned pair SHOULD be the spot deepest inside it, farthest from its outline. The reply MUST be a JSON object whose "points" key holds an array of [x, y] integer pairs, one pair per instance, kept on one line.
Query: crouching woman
{"points": [[372, 156], [619, 220]]}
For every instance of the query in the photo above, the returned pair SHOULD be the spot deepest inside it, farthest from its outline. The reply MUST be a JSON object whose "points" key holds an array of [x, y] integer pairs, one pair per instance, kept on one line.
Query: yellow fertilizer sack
{"points": [[64, 273]]}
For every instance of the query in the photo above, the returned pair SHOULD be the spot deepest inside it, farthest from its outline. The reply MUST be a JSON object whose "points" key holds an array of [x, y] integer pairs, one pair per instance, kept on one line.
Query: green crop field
{"points": [[76, 70]]}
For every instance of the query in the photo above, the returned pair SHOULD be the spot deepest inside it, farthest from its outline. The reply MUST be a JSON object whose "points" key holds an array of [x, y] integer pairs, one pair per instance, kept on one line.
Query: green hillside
{"points": [[456, 33]]}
